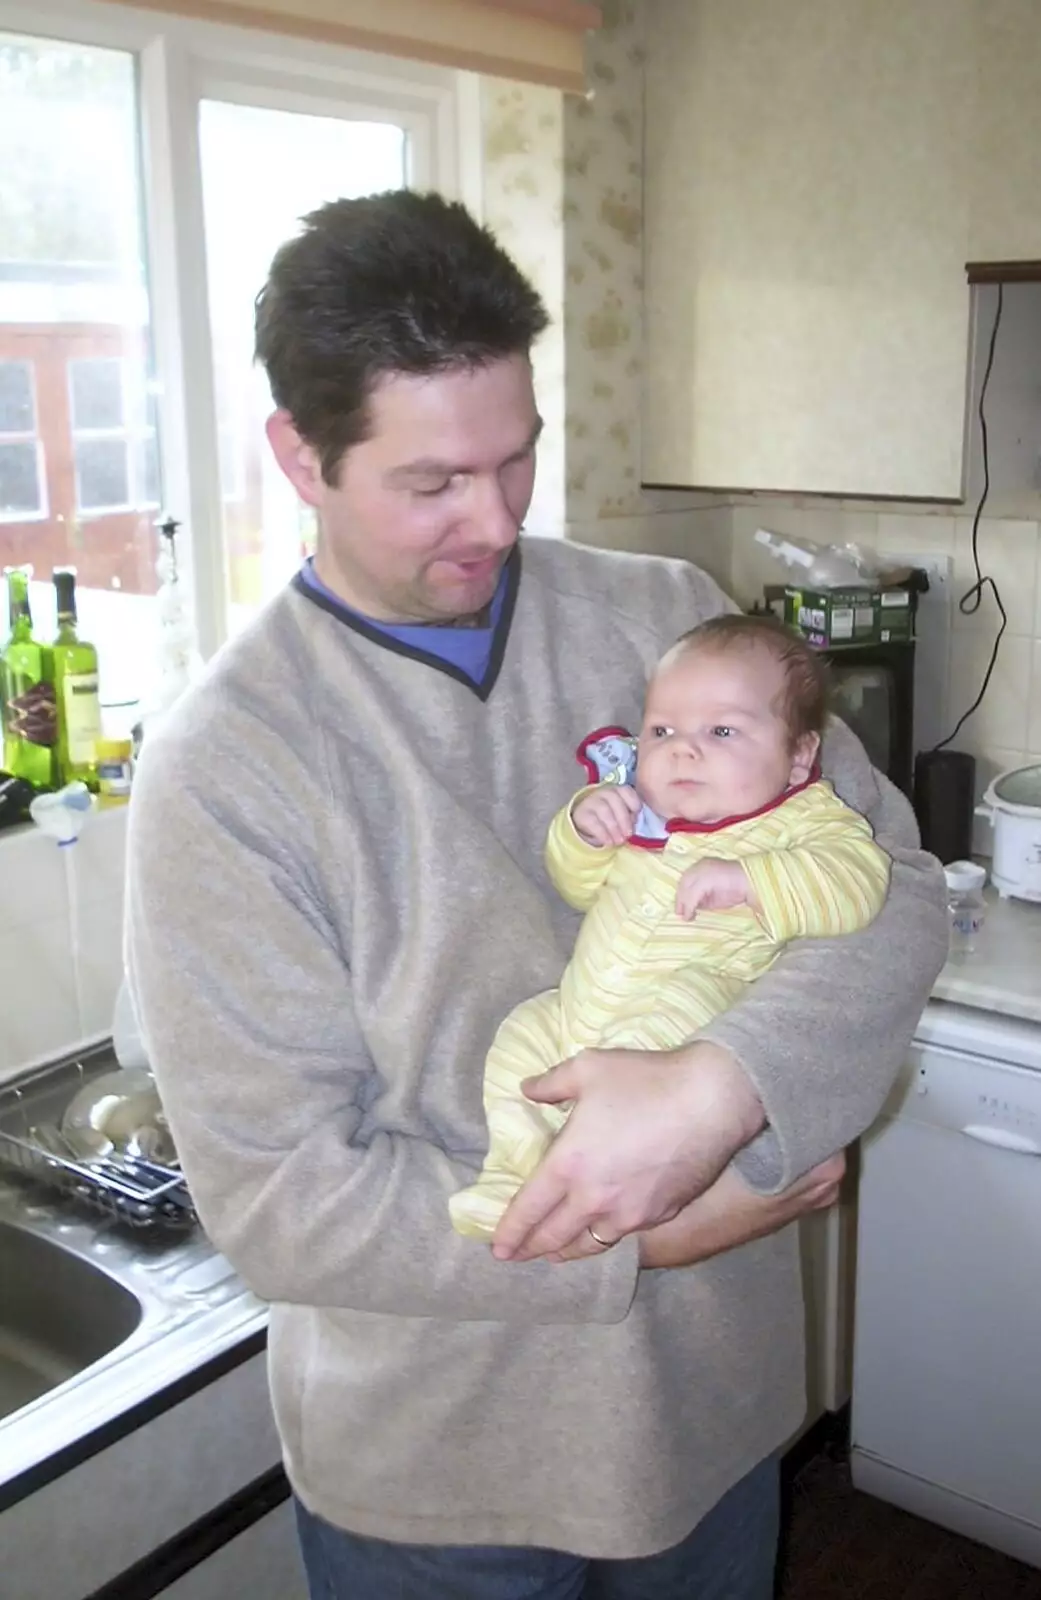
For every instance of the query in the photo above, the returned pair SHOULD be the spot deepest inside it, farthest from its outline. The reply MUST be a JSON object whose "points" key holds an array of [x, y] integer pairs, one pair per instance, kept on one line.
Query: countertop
{"points": [[1003, 973]]}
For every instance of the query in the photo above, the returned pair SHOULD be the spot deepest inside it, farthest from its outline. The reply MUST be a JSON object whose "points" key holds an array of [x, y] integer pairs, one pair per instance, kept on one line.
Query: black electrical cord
{"points": [[972, 599]]}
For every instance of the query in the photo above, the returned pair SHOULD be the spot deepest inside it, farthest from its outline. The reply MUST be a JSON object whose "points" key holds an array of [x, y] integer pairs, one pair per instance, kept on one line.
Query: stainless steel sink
{"points": [[97, 1310], [58, 1315]]}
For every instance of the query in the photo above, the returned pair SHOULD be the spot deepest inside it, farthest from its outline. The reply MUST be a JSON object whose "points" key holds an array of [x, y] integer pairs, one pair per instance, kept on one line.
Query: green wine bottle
{"points": [[75, 676], [26, 691]]}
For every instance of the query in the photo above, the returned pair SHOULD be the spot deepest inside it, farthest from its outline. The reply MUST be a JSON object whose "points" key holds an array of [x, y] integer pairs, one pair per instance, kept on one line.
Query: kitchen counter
{"points": [[1003, 973]]}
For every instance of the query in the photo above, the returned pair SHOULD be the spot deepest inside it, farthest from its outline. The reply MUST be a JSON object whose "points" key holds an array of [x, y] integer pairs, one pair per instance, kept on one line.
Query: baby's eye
{"points": [[721, 731], [660, 731]]}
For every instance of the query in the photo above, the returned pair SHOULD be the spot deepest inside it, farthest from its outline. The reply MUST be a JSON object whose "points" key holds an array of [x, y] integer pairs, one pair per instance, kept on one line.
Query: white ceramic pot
{"points": [[1012, 805]]}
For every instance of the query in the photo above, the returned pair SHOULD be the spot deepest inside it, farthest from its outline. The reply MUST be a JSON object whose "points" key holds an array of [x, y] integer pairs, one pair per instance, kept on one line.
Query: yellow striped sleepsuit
{"points": [[642, 978]]}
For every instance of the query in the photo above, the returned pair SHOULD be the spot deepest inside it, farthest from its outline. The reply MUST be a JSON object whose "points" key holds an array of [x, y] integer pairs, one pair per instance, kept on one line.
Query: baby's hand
{"points": [[606, 815], [713, 885]]}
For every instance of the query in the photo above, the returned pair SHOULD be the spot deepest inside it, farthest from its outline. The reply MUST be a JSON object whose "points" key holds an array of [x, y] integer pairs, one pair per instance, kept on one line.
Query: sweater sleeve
{"points": [[833, 882], [823, 1033], [577, 870], [244, 996]]}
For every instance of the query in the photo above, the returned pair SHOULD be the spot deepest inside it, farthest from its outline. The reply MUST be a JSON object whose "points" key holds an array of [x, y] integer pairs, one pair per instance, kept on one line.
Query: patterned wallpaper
{"points": [[562, 188]]}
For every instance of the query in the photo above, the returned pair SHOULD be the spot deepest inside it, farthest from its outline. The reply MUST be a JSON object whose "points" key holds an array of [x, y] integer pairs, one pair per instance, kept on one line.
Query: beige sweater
{"points": [[336, 893]]}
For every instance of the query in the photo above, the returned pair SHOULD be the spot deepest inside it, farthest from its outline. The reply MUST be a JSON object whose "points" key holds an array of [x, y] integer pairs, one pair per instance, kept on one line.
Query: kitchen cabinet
{"points": [[115, 1519], [262, 1563], [808, 189]]}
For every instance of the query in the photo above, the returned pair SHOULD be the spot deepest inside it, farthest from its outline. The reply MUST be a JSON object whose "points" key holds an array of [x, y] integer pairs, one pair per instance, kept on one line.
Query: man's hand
{"points": [[727, 1215], [650, 1130], [714, 885], [731, 1214], [606, 816]]}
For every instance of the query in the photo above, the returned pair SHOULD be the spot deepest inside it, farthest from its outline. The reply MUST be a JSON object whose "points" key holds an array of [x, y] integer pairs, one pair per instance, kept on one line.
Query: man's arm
{"points": [[244, 995], [795, 1071]]}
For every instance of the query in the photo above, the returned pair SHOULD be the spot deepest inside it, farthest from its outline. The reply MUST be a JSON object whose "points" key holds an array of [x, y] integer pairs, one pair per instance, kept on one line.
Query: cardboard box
{"points": [[833, 618]]}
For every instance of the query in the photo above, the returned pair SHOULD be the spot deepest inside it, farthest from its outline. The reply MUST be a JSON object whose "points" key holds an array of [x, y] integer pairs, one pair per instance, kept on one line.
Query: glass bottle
{"points": [[27, 691], [966, 907], [75, 689]]}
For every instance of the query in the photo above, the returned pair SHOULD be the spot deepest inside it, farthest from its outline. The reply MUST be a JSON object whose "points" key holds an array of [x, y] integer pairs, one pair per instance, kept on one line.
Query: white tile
{"points": [[99, 963], [32, 877], [99, 855], [39, 1016], [1008, 553], [916, 535], [1001, 720], [1034, 721]]}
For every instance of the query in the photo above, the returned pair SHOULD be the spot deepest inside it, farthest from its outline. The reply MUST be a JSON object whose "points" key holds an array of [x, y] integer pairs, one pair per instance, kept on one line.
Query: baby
{"points": [[694, 864]]}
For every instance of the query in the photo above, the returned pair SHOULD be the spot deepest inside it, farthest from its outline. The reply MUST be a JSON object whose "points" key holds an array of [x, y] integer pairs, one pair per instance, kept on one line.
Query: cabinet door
{"points": [[807, 227], [262, 1563]]}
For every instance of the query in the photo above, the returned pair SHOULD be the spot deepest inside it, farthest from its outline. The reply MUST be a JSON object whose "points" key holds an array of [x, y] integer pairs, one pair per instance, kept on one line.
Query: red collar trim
{"points": [[679, 824]]}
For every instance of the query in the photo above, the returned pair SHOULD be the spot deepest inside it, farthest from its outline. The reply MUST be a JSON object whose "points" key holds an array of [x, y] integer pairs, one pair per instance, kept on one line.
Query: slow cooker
{"points": [[1012, 805]]}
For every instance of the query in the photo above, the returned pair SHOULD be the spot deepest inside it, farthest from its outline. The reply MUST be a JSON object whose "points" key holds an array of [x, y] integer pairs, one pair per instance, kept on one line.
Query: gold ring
{"points": [[605, 1244]]}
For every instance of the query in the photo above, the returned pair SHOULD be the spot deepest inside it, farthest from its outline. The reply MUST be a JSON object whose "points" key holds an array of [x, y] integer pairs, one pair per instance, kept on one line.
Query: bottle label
{"points": [[32, 714], [82, 716]]}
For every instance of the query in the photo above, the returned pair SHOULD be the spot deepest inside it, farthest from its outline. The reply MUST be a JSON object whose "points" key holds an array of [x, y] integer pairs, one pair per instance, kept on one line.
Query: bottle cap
{"points": [[964, 875]]}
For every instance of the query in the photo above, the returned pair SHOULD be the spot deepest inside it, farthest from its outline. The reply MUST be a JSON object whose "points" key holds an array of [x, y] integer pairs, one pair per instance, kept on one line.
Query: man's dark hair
{"points": [[803, 704], [390, 283]]}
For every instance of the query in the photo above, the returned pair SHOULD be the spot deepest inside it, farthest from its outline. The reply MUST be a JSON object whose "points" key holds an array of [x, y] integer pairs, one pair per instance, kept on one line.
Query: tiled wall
{"points": [[954, 647], [60, 938]]}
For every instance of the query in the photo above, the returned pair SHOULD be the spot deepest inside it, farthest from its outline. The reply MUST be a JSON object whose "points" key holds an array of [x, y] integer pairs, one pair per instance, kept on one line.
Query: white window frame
{"points": [[133, 432], [182, 61], [28, 436]]}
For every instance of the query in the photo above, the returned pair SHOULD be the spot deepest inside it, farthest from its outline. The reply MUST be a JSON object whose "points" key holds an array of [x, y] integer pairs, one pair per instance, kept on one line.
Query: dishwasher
{"points": [[946, 1414]]}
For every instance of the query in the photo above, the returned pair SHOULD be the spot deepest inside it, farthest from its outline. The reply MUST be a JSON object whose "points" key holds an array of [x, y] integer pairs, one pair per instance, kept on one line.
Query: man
{"points": [[336, 893]]}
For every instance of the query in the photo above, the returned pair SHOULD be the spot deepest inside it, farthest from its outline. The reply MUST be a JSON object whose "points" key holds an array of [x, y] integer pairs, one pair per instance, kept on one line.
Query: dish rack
{"points": [[142, 1194]]}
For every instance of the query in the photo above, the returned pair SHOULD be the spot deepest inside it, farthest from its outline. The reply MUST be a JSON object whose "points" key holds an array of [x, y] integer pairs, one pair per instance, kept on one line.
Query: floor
{"points": [[843, 1545]]}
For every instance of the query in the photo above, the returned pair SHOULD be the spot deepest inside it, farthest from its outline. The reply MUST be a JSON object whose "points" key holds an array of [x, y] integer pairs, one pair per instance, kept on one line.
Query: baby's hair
{"points": [[803, 703]]}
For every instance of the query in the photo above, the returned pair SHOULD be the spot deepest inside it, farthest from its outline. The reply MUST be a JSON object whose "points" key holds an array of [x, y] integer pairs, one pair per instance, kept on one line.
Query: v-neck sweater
{"points": [[336, 892]]}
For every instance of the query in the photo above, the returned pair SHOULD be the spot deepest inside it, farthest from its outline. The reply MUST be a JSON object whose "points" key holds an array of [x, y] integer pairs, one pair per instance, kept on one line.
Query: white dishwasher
{"points": [[947, 1353]]}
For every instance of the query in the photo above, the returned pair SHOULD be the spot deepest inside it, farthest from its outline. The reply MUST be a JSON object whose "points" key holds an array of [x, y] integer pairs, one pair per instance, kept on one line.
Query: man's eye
{"points": [[435, 489], [721, 731]]}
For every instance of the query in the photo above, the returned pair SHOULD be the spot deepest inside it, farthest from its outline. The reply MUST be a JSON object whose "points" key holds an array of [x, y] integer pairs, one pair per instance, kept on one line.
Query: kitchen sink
{"points": [[59, 1313]]}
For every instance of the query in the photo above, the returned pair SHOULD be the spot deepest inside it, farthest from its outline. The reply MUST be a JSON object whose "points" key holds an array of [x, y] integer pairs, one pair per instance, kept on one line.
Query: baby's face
{"points": [[712, 744]]}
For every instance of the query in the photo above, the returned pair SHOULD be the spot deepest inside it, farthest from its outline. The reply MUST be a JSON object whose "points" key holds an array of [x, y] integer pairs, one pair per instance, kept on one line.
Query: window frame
{"points": [[28, 436], [180, 62]]}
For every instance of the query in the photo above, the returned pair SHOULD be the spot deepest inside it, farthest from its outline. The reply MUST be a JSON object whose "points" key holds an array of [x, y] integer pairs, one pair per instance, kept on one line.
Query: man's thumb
{"points": [[550, 1088]]}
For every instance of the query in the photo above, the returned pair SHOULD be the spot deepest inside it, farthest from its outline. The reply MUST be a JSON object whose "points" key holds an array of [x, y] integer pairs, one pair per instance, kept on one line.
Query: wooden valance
{"points": [[532, 41]]}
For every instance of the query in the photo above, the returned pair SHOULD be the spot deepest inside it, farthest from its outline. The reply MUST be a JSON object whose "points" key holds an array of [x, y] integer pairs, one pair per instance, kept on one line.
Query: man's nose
{"points": [[493, 516]]}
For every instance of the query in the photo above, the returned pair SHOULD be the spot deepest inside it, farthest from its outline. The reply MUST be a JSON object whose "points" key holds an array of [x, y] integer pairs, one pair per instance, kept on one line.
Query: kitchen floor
{"points": [[844, 1545]]}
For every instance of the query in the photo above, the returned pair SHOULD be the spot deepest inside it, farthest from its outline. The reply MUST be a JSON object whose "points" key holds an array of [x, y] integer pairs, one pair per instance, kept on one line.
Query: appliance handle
{"points": [[985, 811], [1002, 1139]]}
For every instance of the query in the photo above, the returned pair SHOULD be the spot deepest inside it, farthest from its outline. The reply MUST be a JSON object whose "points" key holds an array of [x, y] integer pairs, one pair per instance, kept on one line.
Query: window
{"points": [[151, 168], [21, 465], [114, 447]]}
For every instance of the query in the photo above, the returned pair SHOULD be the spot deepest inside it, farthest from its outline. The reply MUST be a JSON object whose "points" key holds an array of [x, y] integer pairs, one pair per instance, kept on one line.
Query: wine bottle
{"points": [[75, 689], [27, 691]]}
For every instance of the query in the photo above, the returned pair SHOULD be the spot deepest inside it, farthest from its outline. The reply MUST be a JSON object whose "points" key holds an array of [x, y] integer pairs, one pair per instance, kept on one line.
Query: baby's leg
{"points": [[519, 1132]]}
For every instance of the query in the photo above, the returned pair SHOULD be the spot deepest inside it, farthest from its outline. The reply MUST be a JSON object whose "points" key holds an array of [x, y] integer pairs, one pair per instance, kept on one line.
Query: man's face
{"points": [[426, 510], [713, 744]]}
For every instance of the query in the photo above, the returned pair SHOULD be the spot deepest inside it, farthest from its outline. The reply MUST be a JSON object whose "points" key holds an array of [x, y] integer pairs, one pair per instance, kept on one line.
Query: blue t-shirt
{"points": [[473, 655]]}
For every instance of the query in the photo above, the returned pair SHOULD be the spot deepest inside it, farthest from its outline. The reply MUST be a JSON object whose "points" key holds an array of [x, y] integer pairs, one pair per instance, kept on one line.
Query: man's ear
{"points": [[803, 757], [298, 459]]}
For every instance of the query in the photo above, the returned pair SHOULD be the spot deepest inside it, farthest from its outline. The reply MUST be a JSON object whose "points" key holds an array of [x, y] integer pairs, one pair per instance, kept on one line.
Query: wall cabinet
{"points": [[816, 178]]}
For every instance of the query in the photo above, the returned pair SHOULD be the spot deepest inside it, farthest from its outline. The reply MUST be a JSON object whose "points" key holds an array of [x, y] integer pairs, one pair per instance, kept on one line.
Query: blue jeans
{"points": [[731, 1555]]}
